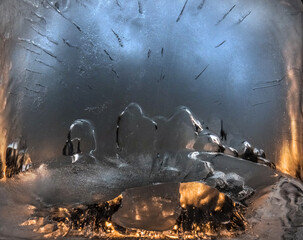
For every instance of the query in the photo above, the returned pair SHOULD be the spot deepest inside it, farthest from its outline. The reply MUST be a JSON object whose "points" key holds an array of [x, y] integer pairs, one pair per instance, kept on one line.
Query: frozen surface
{"points": [[161, 181], [140, 98], [225, 60], [35, 210], [160, 170]]}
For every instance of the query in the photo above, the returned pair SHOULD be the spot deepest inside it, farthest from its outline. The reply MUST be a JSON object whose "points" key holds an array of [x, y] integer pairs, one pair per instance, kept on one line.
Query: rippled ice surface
{"points": [[171, 177]]}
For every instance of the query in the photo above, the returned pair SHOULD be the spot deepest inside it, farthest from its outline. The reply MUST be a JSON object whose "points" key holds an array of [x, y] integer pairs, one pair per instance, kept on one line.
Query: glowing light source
{"points": [[292, 149]]}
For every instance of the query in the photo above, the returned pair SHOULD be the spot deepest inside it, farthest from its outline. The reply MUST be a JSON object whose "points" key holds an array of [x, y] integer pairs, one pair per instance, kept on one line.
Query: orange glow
{"points": [[4, 79], [29, 222], [193, 193], [198, 194], [115, 200], [58, 222], [220, 202], [291, 152]]}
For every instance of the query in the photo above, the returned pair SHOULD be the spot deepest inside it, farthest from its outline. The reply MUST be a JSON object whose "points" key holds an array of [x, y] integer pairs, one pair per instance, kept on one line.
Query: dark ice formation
{"points": [[17, 160], [68, 149], [246, 151]]}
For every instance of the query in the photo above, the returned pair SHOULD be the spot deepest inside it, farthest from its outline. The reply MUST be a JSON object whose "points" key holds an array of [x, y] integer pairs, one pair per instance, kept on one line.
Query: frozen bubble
{"points": [[81, 139], [139, 134], [135, 131]]}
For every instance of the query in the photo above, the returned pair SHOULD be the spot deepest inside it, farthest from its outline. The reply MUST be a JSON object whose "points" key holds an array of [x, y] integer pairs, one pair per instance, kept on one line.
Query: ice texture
{"points": [[67, 60], [69, 69], [81, 140], [155, 207]]}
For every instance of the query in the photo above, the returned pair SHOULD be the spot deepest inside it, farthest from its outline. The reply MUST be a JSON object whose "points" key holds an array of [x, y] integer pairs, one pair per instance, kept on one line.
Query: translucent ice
{"points": [[81, 139]]}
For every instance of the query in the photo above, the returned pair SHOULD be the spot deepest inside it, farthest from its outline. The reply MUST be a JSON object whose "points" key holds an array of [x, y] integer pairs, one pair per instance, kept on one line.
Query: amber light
{"points": [[291, 151]]}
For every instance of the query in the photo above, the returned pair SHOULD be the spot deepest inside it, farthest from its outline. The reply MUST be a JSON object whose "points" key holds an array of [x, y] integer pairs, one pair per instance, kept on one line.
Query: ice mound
{"points": [[137, 133]]}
